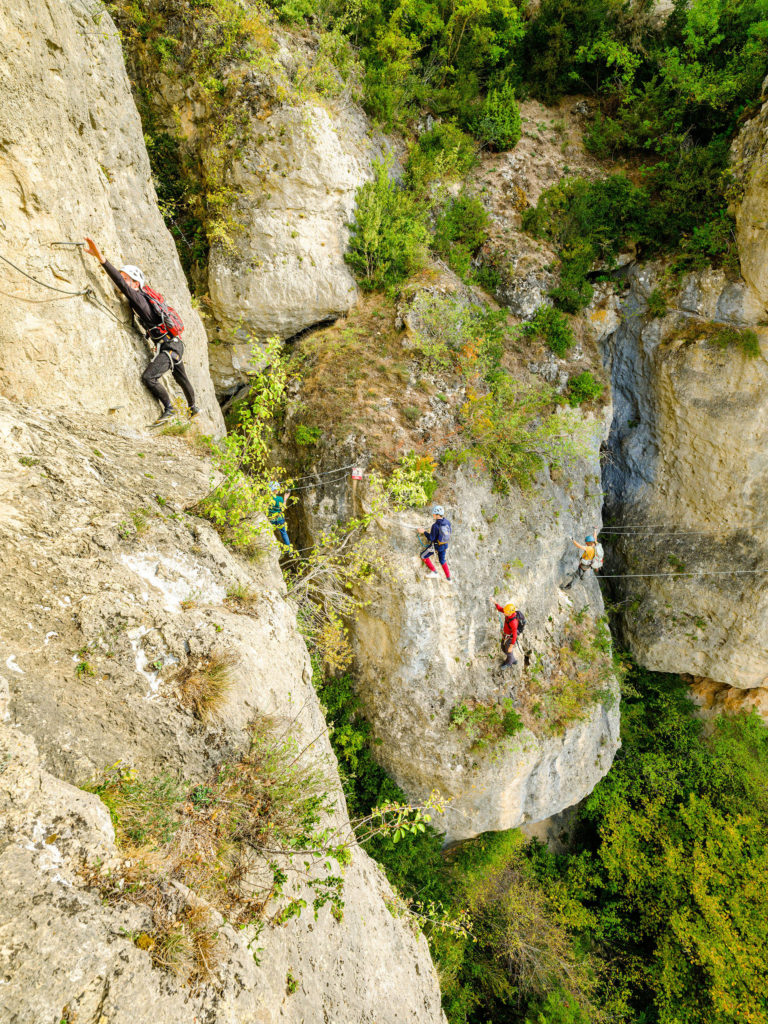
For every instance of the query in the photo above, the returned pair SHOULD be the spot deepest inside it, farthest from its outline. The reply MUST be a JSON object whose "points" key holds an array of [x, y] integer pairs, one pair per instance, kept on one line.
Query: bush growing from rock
{"points": [[498, 124], [485, 723], [388, 238], [589, 222], [583, 387], [444, 153], [553, 327], [460, 231]]}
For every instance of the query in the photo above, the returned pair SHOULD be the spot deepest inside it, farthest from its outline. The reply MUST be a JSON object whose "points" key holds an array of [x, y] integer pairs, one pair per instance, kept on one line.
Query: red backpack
{"points": [[172, 322]]}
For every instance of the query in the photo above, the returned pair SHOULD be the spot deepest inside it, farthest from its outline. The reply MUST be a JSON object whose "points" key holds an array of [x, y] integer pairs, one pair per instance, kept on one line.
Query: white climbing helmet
{"points": [[134, 273], [438, 510]]}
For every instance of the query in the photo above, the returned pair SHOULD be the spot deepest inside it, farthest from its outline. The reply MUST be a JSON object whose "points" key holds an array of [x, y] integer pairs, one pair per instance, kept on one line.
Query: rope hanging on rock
{"points": [[87, 293], [42, 284]]}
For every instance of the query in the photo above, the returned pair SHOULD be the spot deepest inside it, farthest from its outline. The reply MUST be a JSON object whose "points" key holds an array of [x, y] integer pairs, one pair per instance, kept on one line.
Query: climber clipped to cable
{"points": [[163, 327], [276, 515], [514, 624], [591, 558], [437, 540]]}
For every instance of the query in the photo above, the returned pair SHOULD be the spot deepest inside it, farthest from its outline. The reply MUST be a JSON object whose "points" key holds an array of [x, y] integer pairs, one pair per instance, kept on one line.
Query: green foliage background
{"points": [[657, 914]]}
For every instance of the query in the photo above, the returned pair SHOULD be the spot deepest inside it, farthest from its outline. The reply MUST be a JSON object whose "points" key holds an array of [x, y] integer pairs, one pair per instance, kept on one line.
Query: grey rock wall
{"points": [[296, 182], [96, 566], [74, 163], [687, 475], [423, 645]]}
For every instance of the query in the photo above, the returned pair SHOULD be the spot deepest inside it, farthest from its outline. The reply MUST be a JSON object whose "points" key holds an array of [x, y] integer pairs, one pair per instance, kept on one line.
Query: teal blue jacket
{"points": [[275, 513]]}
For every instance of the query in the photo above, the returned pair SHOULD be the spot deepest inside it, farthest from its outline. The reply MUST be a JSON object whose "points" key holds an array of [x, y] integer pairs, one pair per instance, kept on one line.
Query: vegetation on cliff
{"points": [[656, 913]]}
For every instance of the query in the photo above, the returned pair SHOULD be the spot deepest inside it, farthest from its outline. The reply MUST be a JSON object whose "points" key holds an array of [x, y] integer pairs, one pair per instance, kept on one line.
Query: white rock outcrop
{"points": [[422, 646], [687, 476], [101, 563], [749, 159], [296, 179], [74, 163]]}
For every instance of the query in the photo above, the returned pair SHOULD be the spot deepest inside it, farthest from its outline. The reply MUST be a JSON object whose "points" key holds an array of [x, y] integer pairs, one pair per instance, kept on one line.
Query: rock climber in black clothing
{"points": [[169, 350]]}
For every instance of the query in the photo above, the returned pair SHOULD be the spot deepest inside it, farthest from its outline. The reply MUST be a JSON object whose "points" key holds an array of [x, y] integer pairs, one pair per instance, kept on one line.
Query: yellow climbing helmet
{"points": [[509, 609]]}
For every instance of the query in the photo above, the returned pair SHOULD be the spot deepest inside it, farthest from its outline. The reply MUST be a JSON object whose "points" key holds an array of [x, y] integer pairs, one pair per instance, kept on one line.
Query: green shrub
{"points": [[240, 496], [553, 327], [583, 387], [484, 724], [388, 239], [444, 153], [722, 336], [735, 337], [412, 482], [588, 221], [295, 11], [558, 1007], [657, 304], [306, 436], [498, 124], [460, 231]]}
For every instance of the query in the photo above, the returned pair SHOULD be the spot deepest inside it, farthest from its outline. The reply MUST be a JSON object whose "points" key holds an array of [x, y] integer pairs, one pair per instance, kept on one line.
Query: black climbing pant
{"points": [[166, 360], [579, 574], [506, 643]]}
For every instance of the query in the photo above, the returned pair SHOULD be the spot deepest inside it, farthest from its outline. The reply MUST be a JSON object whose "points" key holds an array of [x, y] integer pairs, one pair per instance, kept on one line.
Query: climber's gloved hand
{"points": [[92, 249]]}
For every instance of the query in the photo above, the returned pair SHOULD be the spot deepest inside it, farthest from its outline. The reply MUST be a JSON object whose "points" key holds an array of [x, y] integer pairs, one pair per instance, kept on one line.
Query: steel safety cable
{"points": [[327, 472], [42, 284], [695, 572]]}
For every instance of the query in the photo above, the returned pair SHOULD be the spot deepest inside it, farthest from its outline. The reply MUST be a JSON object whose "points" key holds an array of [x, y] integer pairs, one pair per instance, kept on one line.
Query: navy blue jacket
{"points": [[434, 534]]}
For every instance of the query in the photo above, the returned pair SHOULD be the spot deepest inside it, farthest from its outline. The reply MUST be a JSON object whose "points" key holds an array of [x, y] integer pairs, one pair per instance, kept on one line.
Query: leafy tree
{"points": [[388, 238], [673, 847], [498, 123]]}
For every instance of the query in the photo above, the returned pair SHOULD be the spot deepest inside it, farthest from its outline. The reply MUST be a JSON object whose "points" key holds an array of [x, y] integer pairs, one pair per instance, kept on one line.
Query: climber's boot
{"points": [[509, 661], [164, 417]]}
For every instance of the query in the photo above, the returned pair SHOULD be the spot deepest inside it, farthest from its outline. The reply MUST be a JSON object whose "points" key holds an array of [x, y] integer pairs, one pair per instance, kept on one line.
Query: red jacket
{"points": [[510, 624]]}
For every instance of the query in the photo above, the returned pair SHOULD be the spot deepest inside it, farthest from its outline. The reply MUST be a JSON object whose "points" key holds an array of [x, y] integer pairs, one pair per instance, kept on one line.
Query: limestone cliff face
{"points": [[296, 182], [688, 462], [424, 646], [282, 157], [686, 476], [100, 562], [749, 159], [74, 163]]}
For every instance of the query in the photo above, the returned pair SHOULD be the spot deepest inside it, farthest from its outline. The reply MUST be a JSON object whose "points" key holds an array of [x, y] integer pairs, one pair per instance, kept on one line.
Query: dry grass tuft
{"points": [[241, 597], [233, 841], [203, 686], [565, 692]]}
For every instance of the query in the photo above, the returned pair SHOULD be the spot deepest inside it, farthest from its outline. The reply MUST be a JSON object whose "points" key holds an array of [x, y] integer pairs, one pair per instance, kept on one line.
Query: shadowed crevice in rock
{"points": [[686, 458]]}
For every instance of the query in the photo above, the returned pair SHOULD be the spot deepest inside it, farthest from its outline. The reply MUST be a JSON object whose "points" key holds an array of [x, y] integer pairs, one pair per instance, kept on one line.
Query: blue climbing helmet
{"points": [[590, 539], [438, 510], [274, 486]]}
